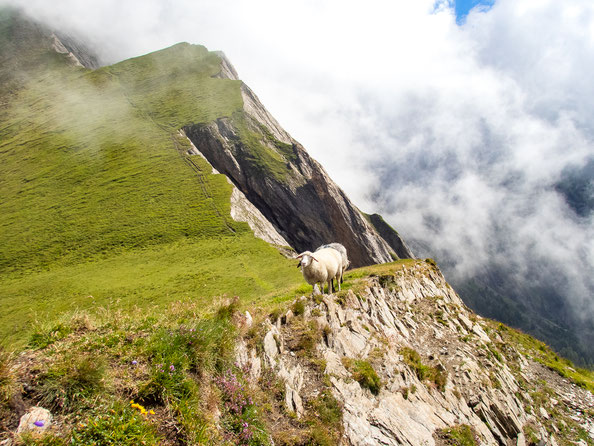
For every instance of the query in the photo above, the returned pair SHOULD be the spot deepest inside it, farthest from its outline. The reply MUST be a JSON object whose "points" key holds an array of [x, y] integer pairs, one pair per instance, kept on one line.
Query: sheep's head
{"points": [[305, 259]]}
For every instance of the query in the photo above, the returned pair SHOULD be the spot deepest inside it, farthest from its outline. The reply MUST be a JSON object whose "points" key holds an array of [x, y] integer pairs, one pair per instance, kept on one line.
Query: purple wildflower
{"points": [[39, 423], [134, 362], [172, 367]]}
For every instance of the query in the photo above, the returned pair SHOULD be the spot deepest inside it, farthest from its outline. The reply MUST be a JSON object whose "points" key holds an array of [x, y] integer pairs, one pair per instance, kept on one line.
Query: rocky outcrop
{"points": [[460, 377], [36, 421], [390, 235], [78, 51], [288, 187]]}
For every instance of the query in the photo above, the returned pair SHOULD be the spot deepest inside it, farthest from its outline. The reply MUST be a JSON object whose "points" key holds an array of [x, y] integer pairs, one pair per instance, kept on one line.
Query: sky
{"points": [[454, 121], [463, 7]]}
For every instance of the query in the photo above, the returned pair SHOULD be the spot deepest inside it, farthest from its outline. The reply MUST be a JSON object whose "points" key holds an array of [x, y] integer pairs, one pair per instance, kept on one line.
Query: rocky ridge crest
{"points": [[440, 367]]}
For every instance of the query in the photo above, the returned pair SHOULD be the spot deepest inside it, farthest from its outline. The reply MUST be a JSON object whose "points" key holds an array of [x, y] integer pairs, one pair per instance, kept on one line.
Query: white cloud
{"points": [[468, 127]]}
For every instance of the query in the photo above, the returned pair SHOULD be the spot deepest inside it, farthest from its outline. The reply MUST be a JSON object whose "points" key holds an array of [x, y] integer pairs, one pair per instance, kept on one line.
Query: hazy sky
{"points": [[455, 128]]}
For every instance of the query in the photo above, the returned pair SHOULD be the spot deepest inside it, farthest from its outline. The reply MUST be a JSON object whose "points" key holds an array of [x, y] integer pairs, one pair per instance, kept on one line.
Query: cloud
{"points": [[458, 134]]}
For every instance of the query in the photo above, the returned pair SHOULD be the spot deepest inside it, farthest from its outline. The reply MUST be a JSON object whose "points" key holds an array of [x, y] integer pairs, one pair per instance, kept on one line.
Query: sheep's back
{"points": [[331, 259], [340, 248]]}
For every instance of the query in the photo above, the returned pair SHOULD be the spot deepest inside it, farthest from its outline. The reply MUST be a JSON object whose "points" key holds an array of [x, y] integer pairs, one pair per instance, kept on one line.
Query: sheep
{"points": [[321, 267], [343, 252]]}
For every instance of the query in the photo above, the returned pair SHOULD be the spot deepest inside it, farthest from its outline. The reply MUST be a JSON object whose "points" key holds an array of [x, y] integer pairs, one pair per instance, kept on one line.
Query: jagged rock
{"points": [[248, 319], [270, 346], [467, 323], [36, 420], [476, 329]]}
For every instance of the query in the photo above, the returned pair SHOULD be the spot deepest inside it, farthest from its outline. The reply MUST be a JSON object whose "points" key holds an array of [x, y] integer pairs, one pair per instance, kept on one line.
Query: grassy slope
{"points": [[97, 199]]}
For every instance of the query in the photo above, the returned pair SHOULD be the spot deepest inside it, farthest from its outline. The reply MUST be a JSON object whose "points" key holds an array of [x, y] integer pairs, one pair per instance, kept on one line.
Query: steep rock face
{"points": [[463, 374], [391, 236], [24, 39], [291, 189], [79, 51], [243, 210]]}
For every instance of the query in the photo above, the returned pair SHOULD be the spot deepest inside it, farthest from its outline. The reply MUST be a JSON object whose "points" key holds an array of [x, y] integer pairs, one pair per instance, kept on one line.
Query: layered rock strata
{"points": [[475, 380]]}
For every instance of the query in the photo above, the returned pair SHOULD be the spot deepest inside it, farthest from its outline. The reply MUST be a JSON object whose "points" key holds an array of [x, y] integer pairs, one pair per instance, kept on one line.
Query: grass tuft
{"points": [[69, 383], [458, 435], [364, 373], [424, 372]]}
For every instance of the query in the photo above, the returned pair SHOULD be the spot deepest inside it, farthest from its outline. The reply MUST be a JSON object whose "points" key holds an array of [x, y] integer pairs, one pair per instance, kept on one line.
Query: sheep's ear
{"points": [[299, 264], [314, 259], [299, 256]]}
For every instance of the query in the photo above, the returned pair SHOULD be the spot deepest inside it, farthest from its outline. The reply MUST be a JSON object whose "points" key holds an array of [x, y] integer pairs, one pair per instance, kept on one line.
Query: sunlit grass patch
{"points": [[542, 353]]}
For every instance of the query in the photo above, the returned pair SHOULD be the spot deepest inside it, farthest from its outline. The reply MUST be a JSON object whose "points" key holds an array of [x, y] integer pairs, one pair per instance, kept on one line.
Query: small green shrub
{"points": [[298, 307], [167, 382], [431, 262], [531, 434], [363, 372], [45, 336], [319, 436], [424, 372], [327, 409], [406, 391], [459, 435]]}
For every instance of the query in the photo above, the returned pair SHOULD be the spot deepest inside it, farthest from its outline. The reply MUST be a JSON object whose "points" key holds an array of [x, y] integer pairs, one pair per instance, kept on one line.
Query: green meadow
{"points": [[99, 205]]}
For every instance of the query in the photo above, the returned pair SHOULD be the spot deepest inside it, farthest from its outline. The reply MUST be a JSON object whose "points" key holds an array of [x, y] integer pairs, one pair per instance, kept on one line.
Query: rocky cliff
{"points": [[288, 187], [410, 364]]}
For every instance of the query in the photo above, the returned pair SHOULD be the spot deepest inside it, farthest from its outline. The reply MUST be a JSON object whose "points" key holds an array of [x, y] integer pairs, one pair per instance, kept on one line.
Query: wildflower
{"points": [[152, 412], [134, 362], [172, 367], [39, 423]]}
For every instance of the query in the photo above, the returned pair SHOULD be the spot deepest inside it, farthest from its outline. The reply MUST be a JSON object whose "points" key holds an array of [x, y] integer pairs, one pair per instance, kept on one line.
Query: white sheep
{"points": [[321, 267], [343, 253]]}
